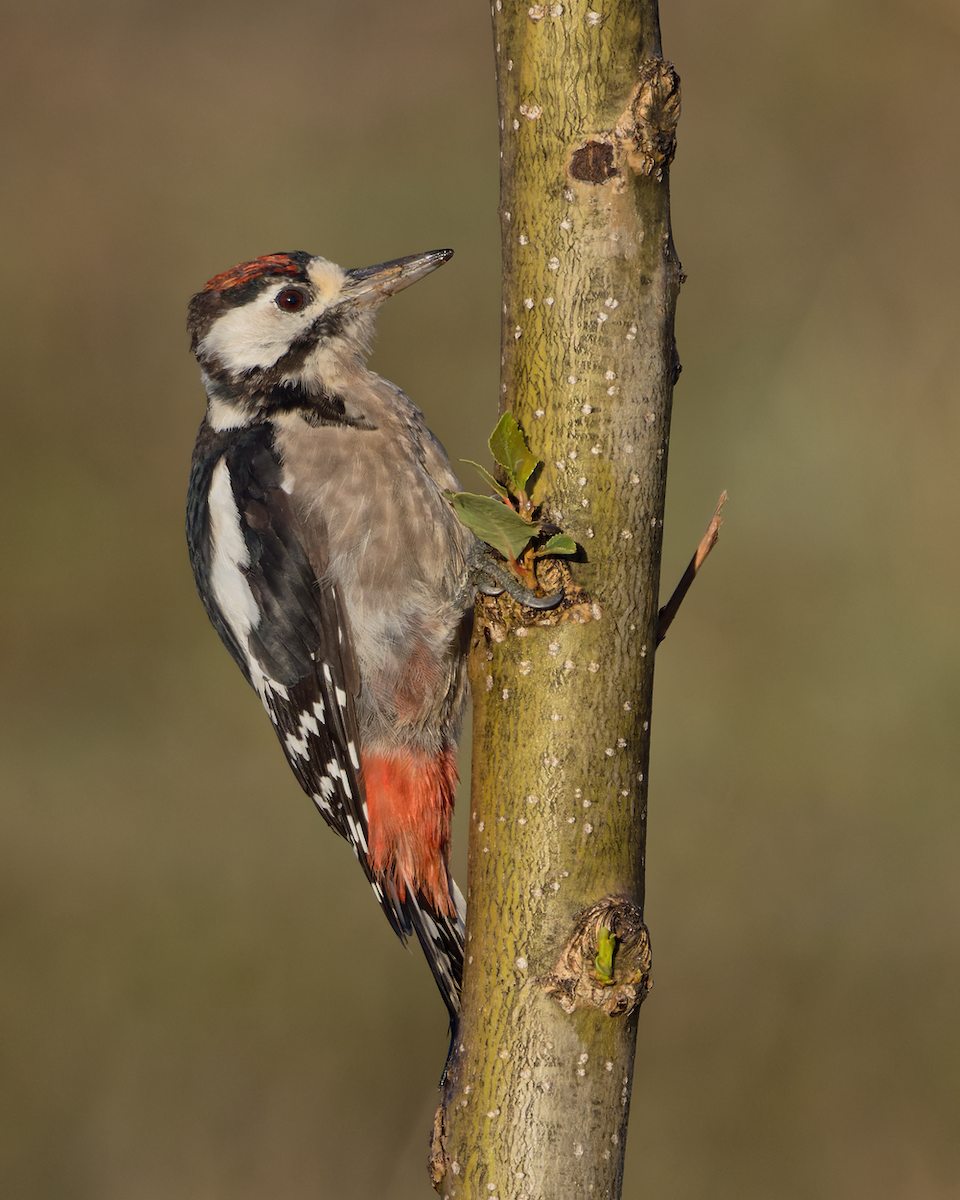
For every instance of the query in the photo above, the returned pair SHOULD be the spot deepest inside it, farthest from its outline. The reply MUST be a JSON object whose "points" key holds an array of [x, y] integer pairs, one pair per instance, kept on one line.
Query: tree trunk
{"points": [[537, 1095]]}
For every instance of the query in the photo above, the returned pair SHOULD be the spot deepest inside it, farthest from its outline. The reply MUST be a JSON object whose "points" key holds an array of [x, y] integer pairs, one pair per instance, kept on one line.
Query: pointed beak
{"points": [[372, 285]]}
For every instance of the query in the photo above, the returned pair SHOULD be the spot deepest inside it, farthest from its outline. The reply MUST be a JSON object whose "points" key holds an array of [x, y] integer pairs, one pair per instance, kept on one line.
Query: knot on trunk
{"points": [[649, 124], [605, 963]]}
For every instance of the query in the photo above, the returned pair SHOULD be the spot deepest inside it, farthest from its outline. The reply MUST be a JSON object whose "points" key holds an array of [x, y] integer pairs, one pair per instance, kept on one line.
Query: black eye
{"points": [[291, 300]]}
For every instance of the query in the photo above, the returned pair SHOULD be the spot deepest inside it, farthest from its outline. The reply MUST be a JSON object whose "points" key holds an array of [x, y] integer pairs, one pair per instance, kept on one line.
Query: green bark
{"points": [[537, 1095]]}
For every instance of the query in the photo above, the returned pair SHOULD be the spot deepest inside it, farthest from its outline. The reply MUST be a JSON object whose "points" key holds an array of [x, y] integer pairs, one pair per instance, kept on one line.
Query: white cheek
{"points": [[251, 336]]}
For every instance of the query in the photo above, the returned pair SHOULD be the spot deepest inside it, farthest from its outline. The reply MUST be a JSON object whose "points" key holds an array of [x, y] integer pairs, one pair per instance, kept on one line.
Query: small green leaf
{"points": [[509, 447], [497, 487], [606, 947], [558, 544], [493, 522]]}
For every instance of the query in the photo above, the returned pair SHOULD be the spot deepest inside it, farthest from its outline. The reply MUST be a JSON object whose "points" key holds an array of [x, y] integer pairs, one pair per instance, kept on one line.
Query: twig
{"points": [[707, 543]]}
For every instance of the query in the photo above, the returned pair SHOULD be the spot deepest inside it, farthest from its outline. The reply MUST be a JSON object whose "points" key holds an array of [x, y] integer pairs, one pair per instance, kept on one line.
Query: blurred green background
{"points": [[198, 997]]}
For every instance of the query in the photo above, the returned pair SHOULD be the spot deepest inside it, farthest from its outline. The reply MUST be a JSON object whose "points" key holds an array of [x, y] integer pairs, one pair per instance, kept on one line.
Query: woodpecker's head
{"points": [[291, 320]]}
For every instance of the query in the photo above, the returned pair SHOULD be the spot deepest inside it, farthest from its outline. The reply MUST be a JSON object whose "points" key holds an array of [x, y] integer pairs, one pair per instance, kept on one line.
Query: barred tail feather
{"points": [[441, 938]]}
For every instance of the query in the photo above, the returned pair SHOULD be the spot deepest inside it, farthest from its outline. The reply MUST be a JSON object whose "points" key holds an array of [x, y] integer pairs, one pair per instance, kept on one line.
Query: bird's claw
{"points": [[492, 578]]}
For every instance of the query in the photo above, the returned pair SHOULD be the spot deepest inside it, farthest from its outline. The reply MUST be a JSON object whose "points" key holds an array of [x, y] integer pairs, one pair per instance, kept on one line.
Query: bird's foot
{"points": [[492, 577]]}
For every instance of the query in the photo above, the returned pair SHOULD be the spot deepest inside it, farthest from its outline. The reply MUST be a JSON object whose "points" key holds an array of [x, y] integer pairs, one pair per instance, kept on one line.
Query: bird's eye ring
{"points": [[291, 300]]}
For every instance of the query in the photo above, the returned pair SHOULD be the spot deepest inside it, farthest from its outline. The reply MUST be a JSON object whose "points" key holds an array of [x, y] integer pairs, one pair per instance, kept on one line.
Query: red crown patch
{"points": [[269, 264]]}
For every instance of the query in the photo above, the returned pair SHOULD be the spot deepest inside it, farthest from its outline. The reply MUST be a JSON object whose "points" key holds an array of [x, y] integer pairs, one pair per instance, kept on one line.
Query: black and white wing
{"points": [[282, 623]]}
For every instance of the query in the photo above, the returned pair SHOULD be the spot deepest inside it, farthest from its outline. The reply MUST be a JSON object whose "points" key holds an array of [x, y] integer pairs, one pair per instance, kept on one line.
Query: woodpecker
{"points": [[334, 569]]}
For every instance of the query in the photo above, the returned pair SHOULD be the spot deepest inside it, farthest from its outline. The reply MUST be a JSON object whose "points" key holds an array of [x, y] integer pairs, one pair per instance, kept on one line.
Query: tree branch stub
{"points": [[579, 980]]}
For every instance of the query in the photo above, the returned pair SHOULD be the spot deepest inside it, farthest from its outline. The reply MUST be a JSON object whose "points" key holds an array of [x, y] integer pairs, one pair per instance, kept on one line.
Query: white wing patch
{"points": [[228, 555]]}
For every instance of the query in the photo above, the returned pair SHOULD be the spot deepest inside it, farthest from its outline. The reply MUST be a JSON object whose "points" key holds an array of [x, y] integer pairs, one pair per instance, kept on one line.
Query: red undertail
{"points": [[409, 802]]}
